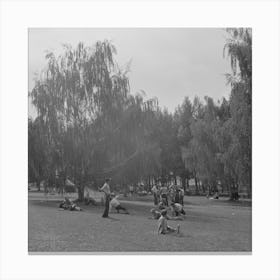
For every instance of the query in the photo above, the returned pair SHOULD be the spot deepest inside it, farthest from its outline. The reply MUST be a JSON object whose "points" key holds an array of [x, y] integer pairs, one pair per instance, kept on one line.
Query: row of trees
{"points": [[89, 126]]}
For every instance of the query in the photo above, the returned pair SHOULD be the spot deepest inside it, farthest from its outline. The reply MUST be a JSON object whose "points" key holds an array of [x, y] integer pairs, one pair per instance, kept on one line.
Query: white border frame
{"points": [[18, 16]]}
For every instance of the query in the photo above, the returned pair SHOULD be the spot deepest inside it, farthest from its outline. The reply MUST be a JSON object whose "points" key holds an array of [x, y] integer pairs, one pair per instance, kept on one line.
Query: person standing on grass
{"points": [[107, 193], [171, 191], [155, 194], [182, 194], [164, 194]]}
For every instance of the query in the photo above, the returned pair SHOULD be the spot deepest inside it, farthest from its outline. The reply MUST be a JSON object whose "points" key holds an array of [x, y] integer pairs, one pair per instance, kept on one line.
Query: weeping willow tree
{"points": [[238, 157], [80, 97], [93, 127]]}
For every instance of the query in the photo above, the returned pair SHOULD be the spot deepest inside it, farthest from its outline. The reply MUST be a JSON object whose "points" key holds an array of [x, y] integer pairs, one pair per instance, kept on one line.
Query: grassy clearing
{"points": [[209, 226]]}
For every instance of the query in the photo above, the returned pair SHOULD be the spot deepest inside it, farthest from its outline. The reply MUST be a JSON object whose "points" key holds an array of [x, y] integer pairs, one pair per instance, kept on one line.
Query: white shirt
{"points": [[154, 189], [164, 190], [106, 189], [114, 202], [162, 225], [178, 207]]}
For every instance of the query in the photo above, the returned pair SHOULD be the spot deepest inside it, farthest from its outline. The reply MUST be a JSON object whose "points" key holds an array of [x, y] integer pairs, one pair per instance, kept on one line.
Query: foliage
{"points": [[89, 126]]}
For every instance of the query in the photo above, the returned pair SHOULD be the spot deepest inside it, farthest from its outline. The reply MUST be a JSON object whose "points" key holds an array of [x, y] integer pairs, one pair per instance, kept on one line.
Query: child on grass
{"points": [[163, 228], [156, 215]]}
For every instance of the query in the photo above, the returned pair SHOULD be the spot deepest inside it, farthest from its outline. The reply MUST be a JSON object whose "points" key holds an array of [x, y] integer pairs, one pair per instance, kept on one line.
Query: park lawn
{"points": [[211, 227]]}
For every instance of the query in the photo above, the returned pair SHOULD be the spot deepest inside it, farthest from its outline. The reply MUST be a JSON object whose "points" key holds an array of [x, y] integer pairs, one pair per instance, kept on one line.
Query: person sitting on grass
{"points": [[89, 200], [161, 206], [215, 196], [114, 203], [177, 209], [67, 204], [163, 228], [156, 215]]}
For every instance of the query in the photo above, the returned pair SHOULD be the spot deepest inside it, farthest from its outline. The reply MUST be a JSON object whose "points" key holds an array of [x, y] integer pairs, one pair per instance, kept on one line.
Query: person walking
{"points": [[107, 193]]}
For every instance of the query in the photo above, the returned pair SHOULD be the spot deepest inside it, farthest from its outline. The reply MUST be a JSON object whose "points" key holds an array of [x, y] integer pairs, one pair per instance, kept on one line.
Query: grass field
{"points": [[210, 226]]}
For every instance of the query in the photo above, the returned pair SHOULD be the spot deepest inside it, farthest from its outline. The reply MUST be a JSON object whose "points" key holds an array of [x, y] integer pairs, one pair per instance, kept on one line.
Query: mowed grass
{"points": [[209, 226]]}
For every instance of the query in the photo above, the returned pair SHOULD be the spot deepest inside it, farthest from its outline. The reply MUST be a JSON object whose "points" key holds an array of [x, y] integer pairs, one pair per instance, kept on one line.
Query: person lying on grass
{"points": [[215, 196], [156, 215], [163, 228], [177, 209], [114, 203], [68, 204]]}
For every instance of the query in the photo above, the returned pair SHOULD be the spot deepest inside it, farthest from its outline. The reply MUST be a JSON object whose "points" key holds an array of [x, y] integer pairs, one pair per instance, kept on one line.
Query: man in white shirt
{"points": [[107, 192]]}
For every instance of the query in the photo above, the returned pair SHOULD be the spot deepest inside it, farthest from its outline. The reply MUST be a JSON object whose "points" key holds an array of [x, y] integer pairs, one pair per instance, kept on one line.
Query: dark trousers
{"points": [[177, 197], [155, 199], [119, 207], [164, 199], [107, 203], [182, 200]]}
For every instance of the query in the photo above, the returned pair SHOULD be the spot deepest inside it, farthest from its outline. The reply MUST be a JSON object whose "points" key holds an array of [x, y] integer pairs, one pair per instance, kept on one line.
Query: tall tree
{"points": [[239, 49], [80, 94]]}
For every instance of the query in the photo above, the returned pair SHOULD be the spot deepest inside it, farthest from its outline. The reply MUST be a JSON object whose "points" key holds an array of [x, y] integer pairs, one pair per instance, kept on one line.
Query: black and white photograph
{"points": [[140, 140]]}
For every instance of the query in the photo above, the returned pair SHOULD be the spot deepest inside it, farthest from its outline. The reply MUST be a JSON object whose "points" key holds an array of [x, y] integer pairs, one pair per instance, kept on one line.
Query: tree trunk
{"points": [[203, 188], [38, 185], [81, 195], [183, 179], [196, 186], [234, 191], [249, 191], [187, 183]]}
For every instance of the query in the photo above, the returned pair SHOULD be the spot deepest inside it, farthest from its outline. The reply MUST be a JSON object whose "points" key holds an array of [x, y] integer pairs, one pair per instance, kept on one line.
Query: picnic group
{"points": [[168, 203]]}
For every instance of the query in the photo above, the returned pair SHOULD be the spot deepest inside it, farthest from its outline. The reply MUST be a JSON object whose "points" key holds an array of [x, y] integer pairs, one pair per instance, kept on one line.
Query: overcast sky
{"points": [[168, 63]]}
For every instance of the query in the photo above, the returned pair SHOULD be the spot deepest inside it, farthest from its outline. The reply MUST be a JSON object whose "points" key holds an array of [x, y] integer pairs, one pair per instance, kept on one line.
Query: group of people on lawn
{"points": [[160, 213], [161, 200], [168, 194]]}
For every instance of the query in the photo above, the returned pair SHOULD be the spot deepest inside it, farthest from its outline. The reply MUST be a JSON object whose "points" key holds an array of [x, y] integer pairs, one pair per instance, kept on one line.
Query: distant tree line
{"points": [[88, 125]]}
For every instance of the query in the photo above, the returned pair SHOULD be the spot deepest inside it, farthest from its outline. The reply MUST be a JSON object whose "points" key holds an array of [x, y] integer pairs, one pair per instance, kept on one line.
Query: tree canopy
{"points": [[89, 126]]}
